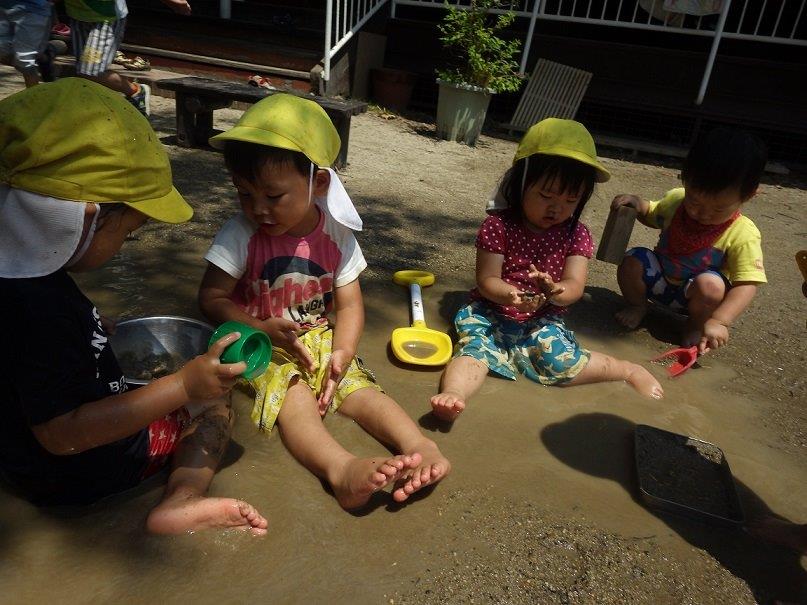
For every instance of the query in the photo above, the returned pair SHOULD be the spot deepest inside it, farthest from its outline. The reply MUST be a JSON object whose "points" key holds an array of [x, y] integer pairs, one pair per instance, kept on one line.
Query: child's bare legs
{"points": [[461, 379], [385, 420], [31, 78], [604, 368], [114, 81], [704, 296], [184, 506], [352, 479], [629, 276]]}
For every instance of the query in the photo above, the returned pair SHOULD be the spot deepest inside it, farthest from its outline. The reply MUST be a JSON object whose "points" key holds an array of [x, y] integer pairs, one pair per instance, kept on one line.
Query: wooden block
{"points": [[616, 235]]}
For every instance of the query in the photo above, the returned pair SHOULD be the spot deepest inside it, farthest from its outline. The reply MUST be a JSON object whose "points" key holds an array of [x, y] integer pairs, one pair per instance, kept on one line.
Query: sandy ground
{"points": [[542, 505]]}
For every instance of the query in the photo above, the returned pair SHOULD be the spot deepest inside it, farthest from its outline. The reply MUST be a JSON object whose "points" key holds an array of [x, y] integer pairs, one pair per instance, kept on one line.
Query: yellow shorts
{"points": [[271, 387]]}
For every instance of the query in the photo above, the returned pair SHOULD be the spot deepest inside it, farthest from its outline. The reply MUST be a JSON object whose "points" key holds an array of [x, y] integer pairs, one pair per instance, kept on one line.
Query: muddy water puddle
{"points": [[533, 467]]}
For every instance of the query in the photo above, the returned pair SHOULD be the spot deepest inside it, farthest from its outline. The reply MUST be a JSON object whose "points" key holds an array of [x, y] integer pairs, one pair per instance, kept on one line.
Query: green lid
{"points": [[254, 347]]}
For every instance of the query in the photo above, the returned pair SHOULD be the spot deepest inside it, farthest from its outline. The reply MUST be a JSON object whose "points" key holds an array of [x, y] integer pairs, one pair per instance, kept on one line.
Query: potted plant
{"points": [[480, 64]]}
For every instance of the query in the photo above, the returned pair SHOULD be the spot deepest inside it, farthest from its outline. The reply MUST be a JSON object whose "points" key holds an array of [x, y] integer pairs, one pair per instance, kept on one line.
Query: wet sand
{"points": [[542, 504]]}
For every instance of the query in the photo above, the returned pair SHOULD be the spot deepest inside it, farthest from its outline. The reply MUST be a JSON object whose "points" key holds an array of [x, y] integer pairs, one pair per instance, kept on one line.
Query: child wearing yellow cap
{"points": [[531, 265], [287, 264], [72, 431]]}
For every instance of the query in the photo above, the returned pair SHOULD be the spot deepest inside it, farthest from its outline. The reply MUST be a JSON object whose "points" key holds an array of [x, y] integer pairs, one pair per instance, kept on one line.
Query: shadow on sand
{"points": [[601, 445]]}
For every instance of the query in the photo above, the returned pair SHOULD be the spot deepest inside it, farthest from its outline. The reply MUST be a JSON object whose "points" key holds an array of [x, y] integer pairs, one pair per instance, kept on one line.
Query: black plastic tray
{"points": [[686, 476]]}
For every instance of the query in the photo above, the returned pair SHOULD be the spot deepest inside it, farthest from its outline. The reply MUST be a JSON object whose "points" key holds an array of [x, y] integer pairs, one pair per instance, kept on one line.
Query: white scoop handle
{"points": [[416, 299]]}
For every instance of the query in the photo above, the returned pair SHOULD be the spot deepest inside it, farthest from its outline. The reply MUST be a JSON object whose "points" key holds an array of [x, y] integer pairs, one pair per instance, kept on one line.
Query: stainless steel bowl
{"points": [[138, 341]]}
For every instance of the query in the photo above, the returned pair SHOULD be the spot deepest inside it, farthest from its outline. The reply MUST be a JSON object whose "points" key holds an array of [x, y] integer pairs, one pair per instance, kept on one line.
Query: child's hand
{"points": [[283, 333], [545, 282], [337, 365], [627, 199], [108, 325], [715, 335], [205, 377], [526, 302]]}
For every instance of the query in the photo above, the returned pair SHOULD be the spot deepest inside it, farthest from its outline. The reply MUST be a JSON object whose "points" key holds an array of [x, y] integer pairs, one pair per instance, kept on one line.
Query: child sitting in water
{"points": [[281, 265], [531, 264], [72, 432], [708, 260]]}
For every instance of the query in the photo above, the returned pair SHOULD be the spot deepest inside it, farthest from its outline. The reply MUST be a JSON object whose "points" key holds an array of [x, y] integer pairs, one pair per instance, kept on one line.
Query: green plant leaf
{"points": [[477, 55]]}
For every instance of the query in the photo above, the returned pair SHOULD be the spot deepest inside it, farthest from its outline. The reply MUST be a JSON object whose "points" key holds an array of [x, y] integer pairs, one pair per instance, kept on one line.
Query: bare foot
{"points": [[644, 382], [361, 477], [447, 405], [631, 316], [433, 467], [182, 513]]}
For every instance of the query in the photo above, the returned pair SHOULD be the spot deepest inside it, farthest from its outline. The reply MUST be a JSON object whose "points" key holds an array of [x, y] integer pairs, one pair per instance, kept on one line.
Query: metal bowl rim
{"points": [[137, 320], [196, 322]]}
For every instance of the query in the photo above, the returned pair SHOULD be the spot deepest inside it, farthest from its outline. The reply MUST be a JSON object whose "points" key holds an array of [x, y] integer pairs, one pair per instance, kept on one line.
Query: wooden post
{"points": [[616, 235]]}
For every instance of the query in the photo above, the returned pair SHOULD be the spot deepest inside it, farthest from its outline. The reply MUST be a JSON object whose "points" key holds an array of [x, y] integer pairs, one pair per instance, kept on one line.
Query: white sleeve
{"points": [[352, 262], [228, 251]]}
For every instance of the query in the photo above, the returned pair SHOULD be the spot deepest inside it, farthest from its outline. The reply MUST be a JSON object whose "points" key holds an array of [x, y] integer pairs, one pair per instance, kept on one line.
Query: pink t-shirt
{"points": [[287, 276], [506, 234]]}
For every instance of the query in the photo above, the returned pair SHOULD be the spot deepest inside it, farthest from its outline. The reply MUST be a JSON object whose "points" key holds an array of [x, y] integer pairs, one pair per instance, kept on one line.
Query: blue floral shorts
{"points": [[658, 288], [542, 349]]}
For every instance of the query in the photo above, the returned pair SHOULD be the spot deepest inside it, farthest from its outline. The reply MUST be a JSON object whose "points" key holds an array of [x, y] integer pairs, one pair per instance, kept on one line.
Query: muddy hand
{"points": [[331, 379], [283, 334], [715, 335], [108, 324], [527, 301], [626, 199], [545, 282], [205, 377]]}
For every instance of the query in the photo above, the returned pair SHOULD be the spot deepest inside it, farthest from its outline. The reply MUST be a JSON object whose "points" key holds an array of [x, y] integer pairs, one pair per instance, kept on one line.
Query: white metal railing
{"points": [[761, 20], [776, 21], [343, 19]]}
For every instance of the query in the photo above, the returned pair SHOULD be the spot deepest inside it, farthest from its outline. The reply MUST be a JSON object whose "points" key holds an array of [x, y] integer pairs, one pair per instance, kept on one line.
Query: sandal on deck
{"points": [[138, 64], [121, 59], [61, 29], [261, 82]]}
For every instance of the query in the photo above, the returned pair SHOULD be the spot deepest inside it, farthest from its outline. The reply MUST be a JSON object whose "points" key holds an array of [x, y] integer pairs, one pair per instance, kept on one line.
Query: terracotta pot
{"points": [[392, 88]]}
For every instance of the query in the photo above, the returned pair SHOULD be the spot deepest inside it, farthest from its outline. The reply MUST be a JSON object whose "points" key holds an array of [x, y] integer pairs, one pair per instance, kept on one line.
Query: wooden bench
{"points": [[197, 99]]}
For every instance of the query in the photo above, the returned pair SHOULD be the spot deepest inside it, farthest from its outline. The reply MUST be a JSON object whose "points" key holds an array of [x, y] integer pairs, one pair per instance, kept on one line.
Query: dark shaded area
{"points": [[430, 422], [598, 303], [601, 445], [451, 302], [645, 82]]}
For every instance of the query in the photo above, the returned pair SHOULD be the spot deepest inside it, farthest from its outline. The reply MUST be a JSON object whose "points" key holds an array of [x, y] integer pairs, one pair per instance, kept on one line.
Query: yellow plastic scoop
{"points": [[418, 344]]}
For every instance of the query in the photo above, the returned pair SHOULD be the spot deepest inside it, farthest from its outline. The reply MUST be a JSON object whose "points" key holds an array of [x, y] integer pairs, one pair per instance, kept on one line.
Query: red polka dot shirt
{"points": [[506, 234]]}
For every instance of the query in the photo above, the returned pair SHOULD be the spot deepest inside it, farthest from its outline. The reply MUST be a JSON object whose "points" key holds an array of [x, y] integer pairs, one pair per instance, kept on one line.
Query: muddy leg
{"points": [[604, 368], [704, 296], [461, 379], [385, 420], [184, 506], [629, 276], [353, 479]]}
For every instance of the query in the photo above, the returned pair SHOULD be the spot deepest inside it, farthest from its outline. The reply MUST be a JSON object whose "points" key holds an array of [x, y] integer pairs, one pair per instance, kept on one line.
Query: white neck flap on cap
{"points": [[339, 205], [39, 233], [496, 199]]}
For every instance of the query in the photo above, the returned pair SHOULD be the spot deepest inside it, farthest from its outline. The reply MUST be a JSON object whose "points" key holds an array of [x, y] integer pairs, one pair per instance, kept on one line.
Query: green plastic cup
{"points": [[254, 347]]}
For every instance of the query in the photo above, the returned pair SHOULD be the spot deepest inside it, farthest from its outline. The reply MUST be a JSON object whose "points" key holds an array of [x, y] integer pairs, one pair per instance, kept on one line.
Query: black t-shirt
{"points": [[55, 357]]}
